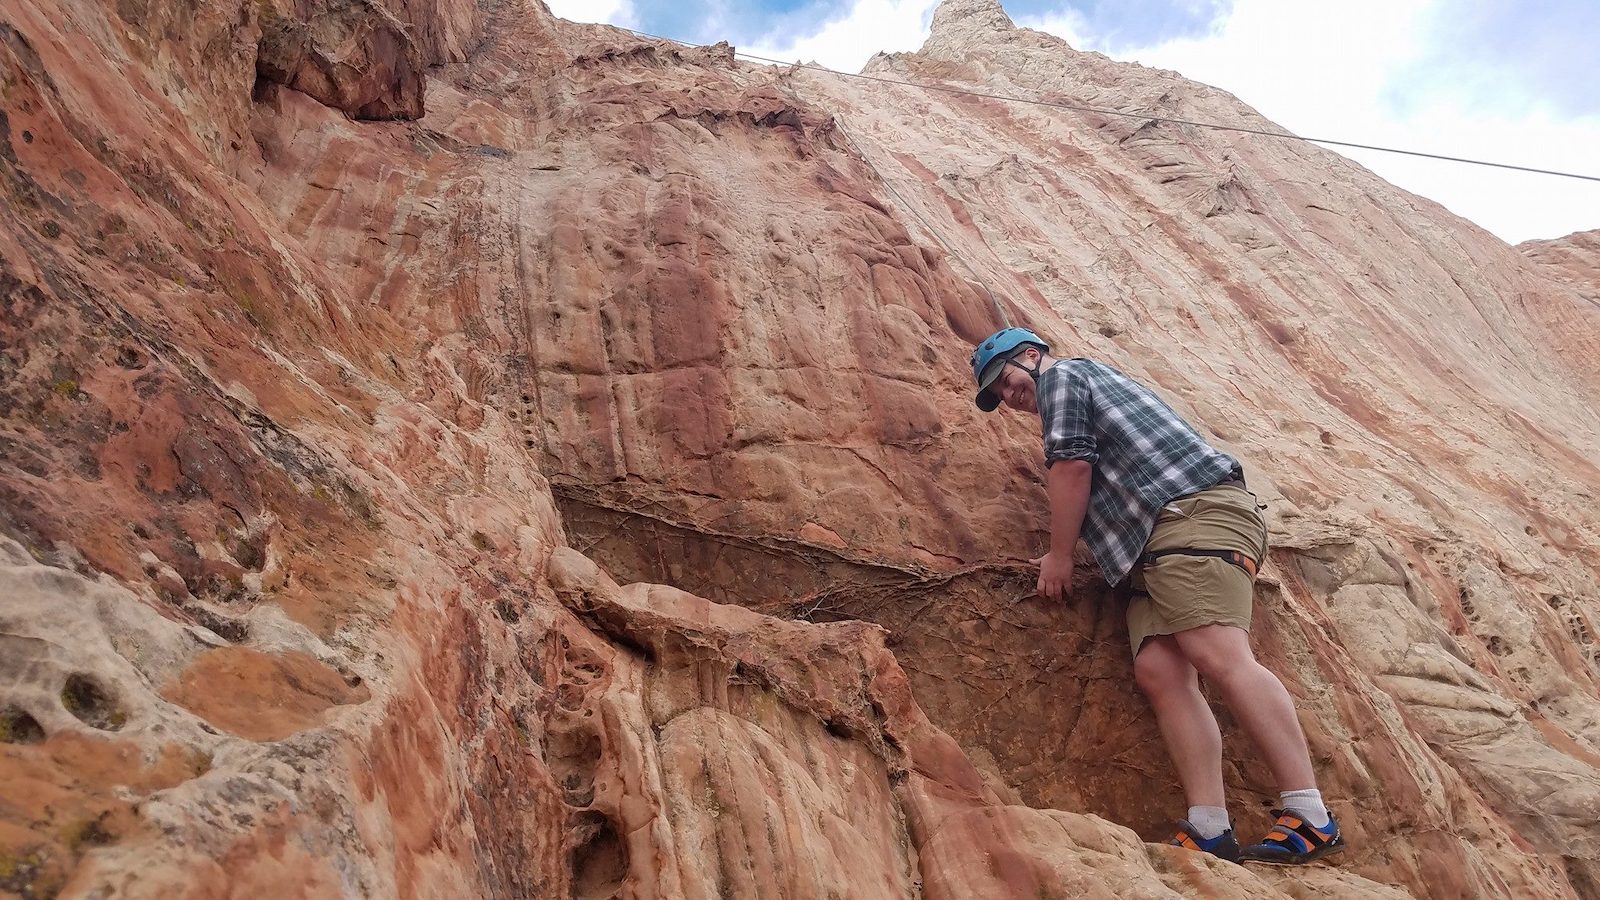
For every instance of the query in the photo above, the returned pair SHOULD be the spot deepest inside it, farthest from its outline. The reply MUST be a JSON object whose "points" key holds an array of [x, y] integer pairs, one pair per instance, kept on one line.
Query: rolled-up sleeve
{"points": [[1066, 415]]}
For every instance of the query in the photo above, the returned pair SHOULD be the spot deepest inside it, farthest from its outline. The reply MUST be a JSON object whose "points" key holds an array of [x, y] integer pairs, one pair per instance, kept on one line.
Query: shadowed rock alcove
{"points": [[1040, 693]]}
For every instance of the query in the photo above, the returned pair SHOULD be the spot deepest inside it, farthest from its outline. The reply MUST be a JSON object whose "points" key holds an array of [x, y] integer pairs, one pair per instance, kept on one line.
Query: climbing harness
{"points": [[1230, 556]]}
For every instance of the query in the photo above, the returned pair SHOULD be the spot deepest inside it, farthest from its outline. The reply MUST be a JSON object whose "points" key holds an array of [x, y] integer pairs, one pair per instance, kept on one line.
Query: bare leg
{"points": [[1256, 697], [1193, 739]]}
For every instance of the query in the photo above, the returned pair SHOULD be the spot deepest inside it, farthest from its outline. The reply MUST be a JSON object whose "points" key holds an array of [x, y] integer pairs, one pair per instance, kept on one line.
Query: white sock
{"points": [[1209, 821], [1308, 803]]}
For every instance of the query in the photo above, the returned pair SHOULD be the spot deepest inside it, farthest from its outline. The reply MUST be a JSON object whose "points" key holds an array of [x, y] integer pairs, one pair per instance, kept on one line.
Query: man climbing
{"points": [[1159, 505]]}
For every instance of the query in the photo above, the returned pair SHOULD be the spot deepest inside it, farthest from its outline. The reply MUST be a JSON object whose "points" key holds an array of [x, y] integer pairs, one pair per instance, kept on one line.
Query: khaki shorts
{"points": [[1178, 592]]}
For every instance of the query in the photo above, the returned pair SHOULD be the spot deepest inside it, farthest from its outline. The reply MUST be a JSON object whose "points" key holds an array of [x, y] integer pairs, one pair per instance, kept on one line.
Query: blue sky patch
{"points": [[706, 21], [1124, 24], [1511, 55], [1114, 23]]}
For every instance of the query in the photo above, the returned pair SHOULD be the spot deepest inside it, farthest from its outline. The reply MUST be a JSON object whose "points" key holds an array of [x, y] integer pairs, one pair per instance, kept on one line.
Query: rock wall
{"points": [[361, 481]]}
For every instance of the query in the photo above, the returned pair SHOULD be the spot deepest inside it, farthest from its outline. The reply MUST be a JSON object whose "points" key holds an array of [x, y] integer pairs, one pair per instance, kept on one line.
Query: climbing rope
{"points": [[1000, 310], [838, 121], [1075, 107]]}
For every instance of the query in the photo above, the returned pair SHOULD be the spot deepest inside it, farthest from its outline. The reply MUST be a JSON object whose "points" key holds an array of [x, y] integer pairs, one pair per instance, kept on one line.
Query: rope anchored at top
{"points": [[1145, 117], [999, 308], [861, 152]]}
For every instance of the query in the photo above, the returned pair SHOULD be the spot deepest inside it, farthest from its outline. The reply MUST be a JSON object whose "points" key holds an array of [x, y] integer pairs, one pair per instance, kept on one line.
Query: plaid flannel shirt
{"points": [[1143, 454]]}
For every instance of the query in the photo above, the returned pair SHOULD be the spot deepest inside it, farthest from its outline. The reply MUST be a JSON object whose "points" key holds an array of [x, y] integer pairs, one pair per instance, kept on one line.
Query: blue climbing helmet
{"points": [[989, 360]]}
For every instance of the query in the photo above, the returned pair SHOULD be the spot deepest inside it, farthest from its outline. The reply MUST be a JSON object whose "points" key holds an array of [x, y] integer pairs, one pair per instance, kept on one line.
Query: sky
{"points": [[1506, 80]]}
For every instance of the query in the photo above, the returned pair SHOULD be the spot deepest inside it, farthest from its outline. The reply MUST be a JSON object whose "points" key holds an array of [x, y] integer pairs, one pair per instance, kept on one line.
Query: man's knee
{"points": [[1160, 669], [1218, 652]]}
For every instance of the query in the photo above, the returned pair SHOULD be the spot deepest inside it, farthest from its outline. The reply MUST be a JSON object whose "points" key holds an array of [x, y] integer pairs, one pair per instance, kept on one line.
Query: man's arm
{"points": [[1066, 412], [1067, 484]]}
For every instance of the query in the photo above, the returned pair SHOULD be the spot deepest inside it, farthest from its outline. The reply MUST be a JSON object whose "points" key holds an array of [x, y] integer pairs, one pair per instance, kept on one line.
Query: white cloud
{"points": [[1348, 71], [611, 12], [1356, 70], [846, 42]]}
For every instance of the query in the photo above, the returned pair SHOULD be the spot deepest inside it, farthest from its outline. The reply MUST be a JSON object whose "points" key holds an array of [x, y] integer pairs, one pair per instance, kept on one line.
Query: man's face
{"points": [[1016, 387]]}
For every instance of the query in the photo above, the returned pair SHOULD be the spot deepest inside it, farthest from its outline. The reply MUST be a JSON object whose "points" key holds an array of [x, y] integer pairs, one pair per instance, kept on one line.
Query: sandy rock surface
{"points": [[569, 486]]}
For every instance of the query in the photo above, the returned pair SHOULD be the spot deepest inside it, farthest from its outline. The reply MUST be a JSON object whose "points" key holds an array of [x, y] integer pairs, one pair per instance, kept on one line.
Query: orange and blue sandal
{"points": [[1223, 846], [1294, 842]]}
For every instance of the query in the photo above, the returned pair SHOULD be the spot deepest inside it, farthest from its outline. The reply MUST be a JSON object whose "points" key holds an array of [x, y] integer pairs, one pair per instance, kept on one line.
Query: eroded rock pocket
{"points": [[92, 704], [17, 727], [597, 856], [572, 751]]}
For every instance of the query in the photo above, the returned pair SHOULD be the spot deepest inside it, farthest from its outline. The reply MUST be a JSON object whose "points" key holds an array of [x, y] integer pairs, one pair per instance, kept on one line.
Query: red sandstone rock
{"points": [[352, 55], [291, 401], [1577, 253], [446, 31], [259, 696]]}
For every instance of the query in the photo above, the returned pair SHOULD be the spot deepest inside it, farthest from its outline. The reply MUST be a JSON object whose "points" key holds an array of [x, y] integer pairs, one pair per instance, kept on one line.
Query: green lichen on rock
{"points": [[19, 873]]}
